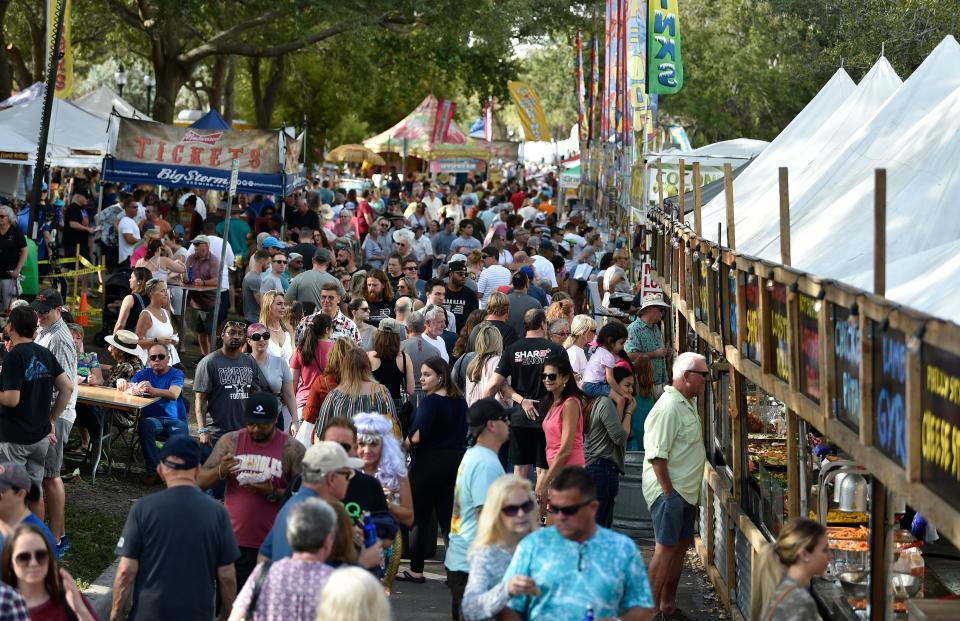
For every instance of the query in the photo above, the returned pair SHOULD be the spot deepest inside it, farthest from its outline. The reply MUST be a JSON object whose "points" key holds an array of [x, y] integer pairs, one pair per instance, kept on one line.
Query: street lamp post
{"points": [[149, 81], [120, 77]]}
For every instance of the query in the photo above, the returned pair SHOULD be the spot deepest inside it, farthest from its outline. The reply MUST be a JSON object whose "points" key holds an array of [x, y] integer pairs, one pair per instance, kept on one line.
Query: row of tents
{"points": [[910, 128]]}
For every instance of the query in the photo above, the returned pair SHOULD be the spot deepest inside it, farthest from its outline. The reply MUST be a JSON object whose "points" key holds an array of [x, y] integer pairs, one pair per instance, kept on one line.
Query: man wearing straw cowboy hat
{"points": [[645, 339]]}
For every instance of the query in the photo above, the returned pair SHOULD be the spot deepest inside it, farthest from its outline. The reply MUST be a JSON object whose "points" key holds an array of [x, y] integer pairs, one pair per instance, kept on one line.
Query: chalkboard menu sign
{"points": [[889, 392], [809, 333], [940, 400], [700, 310], [779, 325], [846, 362], [751, 340], [732, 305]]}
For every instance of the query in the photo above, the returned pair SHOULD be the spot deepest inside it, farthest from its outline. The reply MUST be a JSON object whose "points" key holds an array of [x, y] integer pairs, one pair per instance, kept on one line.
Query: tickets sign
{"points": [[940, 401]]}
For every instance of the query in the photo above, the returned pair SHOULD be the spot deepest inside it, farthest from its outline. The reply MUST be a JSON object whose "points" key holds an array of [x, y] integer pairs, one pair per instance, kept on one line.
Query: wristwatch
{"points": [[204, 430]]}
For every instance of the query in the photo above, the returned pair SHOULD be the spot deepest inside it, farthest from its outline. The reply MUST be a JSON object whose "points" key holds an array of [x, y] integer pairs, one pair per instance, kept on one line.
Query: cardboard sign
{"points": [[889, 392], [647, 283], [780, 327], [809, 334], [940, 400], [846, 361]]}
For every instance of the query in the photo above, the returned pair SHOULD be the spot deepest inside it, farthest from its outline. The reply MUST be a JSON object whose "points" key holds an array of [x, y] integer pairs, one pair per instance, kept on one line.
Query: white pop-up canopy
{"points": [[103, 102], [76, 139]]}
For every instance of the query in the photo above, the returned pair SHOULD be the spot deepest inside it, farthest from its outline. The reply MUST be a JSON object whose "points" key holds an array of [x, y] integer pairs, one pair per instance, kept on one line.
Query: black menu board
{"points": [[779, 326], [732, 306], [751, 340], [889, 392], [940, 400], [703, 301], [809, 333], [846, 362]]}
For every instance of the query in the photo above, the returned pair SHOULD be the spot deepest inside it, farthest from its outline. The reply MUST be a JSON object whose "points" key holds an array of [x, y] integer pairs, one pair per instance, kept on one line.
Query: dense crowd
{"points": [[377, 365]]}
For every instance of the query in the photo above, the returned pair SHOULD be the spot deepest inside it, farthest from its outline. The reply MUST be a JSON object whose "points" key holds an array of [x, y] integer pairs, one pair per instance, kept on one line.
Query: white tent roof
{"points": [[76, 139], [103, 102], [787, 146], [736, 152]]}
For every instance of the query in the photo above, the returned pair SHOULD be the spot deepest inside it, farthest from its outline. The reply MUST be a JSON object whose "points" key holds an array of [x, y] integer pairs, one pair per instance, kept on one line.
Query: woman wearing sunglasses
{"points": [[51, 594], [276, 370], [155, 324], [509, 514], [564, 423]]}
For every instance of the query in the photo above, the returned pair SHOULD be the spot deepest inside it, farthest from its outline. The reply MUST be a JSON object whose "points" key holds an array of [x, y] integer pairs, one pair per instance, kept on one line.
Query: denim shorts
{"points": [[596, 390], [673, 519]]}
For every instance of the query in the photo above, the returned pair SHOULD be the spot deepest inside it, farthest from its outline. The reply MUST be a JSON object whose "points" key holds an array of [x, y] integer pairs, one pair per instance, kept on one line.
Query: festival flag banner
{"points": [[530, 111], [637, 61], [606, 88], [441, 124], [664, 62], [488, 120], [64, 82], [581, 91], [594, 80]]}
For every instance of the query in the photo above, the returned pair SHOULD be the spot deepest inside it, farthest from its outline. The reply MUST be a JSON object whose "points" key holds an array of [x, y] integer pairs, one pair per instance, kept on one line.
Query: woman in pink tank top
{"points": [[563, 425]]}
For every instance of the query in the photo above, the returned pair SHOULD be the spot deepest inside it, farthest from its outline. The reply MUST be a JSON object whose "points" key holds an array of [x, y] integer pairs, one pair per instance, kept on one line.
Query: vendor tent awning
{"points": [[414, 133], [76, 139], [103, 102]]}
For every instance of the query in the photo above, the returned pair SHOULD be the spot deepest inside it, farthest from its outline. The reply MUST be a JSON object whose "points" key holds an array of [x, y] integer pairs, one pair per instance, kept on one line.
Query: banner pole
{"points": [[231, 191]]}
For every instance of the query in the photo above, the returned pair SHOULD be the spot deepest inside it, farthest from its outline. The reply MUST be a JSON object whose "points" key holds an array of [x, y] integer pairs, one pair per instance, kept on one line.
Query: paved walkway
{"points": [[431, 601]]}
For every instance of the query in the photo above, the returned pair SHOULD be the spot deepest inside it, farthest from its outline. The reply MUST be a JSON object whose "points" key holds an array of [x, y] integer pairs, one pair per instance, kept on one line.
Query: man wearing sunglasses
{"points": [[577, 563], [258, 463], [673, 475], [489, 424], [165, 418], [273, 279]]}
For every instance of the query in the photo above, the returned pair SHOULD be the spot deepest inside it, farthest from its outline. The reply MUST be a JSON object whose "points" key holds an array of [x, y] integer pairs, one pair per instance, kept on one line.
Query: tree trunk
{"points": [[265, 95], [215, 92], [228, 90], [38, 45], [6, 72]]}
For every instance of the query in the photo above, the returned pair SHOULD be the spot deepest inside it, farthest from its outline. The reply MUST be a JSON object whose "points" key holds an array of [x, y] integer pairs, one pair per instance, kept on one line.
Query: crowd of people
{"points": [[375, 367]]}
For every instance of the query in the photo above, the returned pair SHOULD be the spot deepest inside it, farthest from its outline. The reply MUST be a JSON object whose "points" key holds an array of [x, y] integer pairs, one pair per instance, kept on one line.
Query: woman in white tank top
{"points": [[154, 325]]}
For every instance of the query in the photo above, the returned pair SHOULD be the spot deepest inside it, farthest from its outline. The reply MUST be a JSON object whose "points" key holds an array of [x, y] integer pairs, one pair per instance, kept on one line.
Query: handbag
{"points": [[404, 405], [257, 587]]}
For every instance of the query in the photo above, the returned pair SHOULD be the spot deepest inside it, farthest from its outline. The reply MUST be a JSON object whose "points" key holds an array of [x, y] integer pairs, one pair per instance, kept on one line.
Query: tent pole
{"points": [[223, 257]]}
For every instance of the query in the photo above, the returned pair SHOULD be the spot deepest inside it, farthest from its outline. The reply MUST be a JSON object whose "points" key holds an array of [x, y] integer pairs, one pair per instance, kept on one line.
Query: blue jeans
{"points": [[601, 389], [150, 429], [606, 477]]}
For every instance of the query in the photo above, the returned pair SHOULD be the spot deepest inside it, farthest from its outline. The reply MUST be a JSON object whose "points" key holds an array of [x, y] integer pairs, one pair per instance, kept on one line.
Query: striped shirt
{"points": [[490, 279]]}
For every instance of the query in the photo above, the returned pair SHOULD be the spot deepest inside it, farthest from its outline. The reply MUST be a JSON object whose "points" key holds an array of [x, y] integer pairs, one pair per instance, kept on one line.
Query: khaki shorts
{"points": [[53, 462], [30, 456]]}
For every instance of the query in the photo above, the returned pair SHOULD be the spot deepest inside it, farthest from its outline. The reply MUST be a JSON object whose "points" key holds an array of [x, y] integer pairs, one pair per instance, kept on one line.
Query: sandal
{"points": [[406, 576]]}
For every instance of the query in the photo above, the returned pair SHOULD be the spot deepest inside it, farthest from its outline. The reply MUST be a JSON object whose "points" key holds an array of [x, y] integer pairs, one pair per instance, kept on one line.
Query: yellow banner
{"points": [[64, 85], [530, 111]]}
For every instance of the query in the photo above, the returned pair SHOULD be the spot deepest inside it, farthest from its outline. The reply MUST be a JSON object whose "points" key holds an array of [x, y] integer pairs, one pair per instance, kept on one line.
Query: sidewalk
{"points": [[431, 601]]}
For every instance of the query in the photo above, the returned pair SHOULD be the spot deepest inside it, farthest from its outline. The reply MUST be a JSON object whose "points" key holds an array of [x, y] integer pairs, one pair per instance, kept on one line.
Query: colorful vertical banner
{"points": [[581, 91], [64, 83], [664, 62], [488, 121], [441, 123], [530, 111], [637, 62], [594, 80], [614, 85], [606, 87]]}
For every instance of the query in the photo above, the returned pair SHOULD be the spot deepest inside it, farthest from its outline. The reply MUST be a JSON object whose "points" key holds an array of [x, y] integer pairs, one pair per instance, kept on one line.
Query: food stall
{"points": [[828, 402]]}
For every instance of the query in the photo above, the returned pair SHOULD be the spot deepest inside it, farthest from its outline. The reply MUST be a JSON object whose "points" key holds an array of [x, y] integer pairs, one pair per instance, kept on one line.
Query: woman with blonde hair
{"points": [[155, 325], [356, 392], [560, 308], [583, 329], [616, 287], [474, 265], [509, 514], [273, 308], [488, 347], [802, 548], [353, 594]]}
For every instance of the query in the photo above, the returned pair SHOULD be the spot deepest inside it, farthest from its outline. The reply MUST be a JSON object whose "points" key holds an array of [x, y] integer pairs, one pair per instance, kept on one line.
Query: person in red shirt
{"points": [[517, 197], [363, 219], [258, 462]]}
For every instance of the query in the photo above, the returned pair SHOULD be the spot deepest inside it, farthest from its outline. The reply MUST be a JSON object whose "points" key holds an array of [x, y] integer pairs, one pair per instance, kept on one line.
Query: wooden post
{"points": [[880, 551], [682, 190], [784, 217], [697, 222], [660, 184], [880, 232], [737, 432], [728, 194]]}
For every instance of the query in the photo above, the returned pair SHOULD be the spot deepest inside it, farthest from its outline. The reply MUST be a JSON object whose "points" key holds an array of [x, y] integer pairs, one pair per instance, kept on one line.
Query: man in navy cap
{"points": [[180, 559]]}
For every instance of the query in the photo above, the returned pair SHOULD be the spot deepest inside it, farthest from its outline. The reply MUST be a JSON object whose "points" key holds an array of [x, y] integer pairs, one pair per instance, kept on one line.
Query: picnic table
{"points": [[111, 400]]}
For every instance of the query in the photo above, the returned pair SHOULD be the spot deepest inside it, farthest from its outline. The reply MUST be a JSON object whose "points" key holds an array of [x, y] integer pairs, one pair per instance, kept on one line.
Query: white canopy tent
{"points": [[77, 138], [103, 102]]}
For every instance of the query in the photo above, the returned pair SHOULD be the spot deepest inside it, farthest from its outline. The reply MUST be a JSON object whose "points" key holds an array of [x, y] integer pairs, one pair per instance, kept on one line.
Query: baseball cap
{"points": [[261, 408], [294, 256], [200, 239], [272, 242], [457, 263], [390, 325], [326, 457], [47, 299], [546, 244], [528, 270], [184, 449], [481, 412], [13, 475]]}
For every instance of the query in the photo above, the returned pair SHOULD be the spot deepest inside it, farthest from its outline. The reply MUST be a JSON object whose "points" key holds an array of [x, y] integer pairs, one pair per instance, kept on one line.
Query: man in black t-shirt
{"points": [[29, 375], [13, 254], [76, 227], [169, 565], [459, 299], [522, 362], [301, 216]]}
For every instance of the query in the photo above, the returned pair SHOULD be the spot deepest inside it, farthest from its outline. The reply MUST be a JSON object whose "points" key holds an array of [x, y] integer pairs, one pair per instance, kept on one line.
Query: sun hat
{"points": [[126, 341], [652, 299]]}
